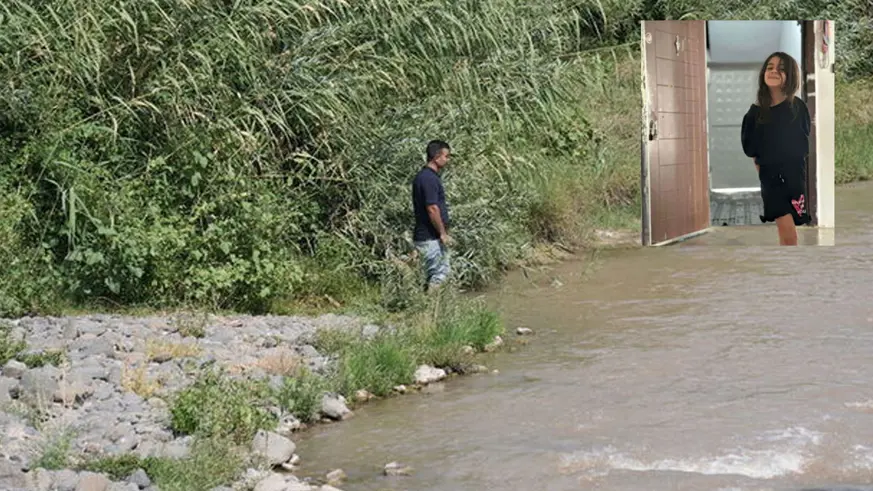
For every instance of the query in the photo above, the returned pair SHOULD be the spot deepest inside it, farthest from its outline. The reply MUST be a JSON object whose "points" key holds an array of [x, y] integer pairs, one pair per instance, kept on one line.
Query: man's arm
{"points": [[433, 212], [430, 193], [757, 167]]}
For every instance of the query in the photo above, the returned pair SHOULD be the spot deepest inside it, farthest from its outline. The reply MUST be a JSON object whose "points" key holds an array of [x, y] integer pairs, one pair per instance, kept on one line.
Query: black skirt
{"points": [[784, 195]]}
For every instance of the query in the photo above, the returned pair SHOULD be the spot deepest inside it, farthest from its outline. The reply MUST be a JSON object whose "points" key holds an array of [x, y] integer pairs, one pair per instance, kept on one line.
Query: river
{"points": [[692, 367]]}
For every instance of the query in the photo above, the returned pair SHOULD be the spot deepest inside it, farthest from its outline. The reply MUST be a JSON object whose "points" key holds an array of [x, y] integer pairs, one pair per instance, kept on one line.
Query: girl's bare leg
{"points": [[787, 230]]}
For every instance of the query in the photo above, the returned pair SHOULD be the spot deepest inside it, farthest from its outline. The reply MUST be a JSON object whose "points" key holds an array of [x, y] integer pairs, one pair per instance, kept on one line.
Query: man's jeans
{"points": [[435, 258]]}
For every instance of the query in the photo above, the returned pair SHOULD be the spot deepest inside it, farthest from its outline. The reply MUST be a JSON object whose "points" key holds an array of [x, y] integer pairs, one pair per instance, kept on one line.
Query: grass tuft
{"points": [[218, 406]]}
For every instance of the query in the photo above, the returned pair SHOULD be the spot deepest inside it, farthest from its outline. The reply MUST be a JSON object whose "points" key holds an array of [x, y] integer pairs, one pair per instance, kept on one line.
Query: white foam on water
{"points": [[861, 458], [786, 454], [866, 406], [795, 435]]}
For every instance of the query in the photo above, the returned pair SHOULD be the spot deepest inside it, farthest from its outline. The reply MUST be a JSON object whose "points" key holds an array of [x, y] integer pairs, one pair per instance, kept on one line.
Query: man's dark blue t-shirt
{"points": [[427, 189]]}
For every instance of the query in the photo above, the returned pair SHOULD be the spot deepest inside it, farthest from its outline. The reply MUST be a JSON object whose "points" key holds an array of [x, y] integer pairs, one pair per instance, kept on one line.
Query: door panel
{"points": [[807, 69], [674, 161]]}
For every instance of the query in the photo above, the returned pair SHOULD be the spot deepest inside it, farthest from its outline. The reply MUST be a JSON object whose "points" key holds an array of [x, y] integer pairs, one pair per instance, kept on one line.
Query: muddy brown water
{"points": [[692, 367]]}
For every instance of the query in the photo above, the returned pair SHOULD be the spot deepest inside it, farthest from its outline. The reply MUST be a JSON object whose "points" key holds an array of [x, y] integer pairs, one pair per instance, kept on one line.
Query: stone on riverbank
{"points": [[334, 407], [426, 374], [288, 424], [493, 345], [111, 396], [274, 448], [397, 469], [524, 331], [363, 396], [284, 482], [336, 477]]}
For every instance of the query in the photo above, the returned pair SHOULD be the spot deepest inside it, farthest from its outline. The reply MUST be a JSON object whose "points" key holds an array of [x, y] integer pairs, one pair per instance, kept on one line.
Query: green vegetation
{"points": [[10, 348], [255, 155], [854, 131], [16, 349], [220, 406], [210, 464], [301, 395], [54, 454], [217, 406]]}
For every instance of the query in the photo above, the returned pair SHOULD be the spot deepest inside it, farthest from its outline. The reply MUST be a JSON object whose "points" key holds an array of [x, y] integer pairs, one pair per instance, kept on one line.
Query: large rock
{"points": [[140, 479], [40, 384], [370, 330], [276, 482], [124, 439], [274, 448], [282, 482], [123, 486], [334, 406], [288, 424], [93, 370], [89, 345], [336, 476], [66, 480], [179, 448], [8, 387], [11, 475], [13, 369], [73, 393], [40, 480], [176, 449], [426, 374], [89, 481]]}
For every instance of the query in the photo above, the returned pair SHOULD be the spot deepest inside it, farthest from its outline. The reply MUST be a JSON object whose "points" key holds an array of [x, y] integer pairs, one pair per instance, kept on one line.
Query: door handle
{"points": [[653, 129]]}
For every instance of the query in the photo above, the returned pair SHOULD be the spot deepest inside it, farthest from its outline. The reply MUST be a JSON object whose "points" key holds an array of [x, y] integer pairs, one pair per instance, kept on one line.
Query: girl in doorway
{"points": [[775, 133]]}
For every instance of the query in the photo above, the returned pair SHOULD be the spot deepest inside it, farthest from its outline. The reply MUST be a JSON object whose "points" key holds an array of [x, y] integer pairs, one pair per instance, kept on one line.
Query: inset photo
{"points": [[737, 141]]}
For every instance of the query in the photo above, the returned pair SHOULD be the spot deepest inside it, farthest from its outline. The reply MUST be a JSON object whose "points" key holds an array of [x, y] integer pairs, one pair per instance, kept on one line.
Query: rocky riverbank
{"points": [[98, 388]]}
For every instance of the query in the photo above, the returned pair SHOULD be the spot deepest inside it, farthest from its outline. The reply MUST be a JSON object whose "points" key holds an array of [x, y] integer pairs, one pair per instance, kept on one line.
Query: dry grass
{"points": [[136, 379], [191, 324], [158, 350], [280, 361]]}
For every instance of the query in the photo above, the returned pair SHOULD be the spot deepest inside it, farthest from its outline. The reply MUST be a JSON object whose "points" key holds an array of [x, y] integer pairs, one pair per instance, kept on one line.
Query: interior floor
{"points": [[735, 208]]}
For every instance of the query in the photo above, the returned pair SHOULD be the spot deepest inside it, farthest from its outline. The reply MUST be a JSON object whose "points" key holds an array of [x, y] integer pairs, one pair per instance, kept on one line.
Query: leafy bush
{"points": [[217, 406]]}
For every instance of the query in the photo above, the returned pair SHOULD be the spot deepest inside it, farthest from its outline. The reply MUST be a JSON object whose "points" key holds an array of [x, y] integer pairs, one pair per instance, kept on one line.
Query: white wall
{"points": [[737, 41], [824, 132], [791, 43]]}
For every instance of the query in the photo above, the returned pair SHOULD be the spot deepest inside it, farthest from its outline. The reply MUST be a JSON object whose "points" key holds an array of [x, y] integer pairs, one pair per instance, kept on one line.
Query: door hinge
{"points": [[653, 129]]}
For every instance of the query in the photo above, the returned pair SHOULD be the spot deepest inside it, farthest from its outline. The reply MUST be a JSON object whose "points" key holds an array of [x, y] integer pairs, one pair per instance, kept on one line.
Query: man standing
{"points": [[432, 215]]}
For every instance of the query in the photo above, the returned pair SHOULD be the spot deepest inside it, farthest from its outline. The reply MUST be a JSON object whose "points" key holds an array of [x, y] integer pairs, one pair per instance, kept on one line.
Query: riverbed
{"points": [[723, 362]]}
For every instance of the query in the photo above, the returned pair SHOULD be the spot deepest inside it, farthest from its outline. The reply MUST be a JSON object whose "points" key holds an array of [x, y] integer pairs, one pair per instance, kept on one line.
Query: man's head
{"points": [[438, 153]]}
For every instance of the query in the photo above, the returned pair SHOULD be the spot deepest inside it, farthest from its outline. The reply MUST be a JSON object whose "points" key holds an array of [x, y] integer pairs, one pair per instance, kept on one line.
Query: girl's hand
{"points": [[757, 167]]}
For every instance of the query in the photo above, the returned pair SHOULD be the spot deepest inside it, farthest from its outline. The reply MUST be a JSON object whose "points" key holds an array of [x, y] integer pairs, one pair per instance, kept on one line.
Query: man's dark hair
{"points": [[434, 147]]}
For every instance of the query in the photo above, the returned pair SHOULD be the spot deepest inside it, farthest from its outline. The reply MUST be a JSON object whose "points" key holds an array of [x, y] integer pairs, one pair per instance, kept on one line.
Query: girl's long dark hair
{"points": [[792, 83]]}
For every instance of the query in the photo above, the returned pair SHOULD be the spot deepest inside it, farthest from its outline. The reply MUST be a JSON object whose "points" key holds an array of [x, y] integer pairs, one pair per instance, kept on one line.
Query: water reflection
{"points": [[760, 235]]}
